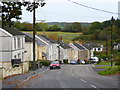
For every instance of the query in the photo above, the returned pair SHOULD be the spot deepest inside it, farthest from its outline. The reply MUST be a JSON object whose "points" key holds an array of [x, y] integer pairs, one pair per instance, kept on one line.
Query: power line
{"points": [[93, 7]]}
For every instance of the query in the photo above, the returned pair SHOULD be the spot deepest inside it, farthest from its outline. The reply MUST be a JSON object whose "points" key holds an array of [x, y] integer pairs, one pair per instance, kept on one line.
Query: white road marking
{"points": [[83, 80], [93, 86], [75, 75]]}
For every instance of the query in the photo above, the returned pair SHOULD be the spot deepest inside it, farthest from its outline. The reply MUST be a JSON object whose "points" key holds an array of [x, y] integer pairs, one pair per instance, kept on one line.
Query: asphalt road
{"points": [[72, 76]]}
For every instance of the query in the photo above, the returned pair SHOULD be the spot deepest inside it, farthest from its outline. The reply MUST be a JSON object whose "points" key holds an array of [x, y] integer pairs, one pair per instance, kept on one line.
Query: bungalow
{"points": [[12, 51]]}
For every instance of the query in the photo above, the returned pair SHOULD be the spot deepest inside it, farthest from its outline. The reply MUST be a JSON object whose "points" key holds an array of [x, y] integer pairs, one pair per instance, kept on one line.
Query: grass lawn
{"points": [[104, 63], [67, 36], [110, 70]]}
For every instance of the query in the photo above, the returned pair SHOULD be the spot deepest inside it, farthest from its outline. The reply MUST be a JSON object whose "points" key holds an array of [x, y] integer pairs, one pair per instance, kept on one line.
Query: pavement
{"points": [[13, 81]]}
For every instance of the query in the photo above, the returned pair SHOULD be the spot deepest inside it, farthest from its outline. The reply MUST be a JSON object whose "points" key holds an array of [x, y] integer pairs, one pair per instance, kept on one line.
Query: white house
{"points": [[52, 49], [28, 48], [12, 51], [93, 47], [65, 52]]}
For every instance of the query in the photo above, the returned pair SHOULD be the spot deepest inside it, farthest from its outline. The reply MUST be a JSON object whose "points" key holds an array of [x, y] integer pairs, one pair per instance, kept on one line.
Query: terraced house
{"points": [[83, 52], [51, 47], [65, 52], [12, 52]]}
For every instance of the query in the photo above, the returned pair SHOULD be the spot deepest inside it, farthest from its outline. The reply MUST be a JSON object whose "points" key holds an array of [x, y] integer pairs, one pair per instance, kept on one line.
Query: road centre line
{"points": [[83, 80], [93, 86]]}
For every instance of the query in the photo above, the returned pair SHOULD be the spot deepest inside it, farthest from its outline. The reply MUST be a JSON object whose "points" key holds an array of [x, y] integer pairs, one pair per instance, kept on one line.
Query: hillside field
{"points": [[66, 36]]}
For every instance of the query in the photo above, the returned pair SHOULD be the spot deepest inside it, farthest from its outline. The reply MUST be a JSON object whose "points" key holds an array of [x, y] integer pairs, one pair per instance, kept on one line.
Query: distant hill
{"points": [[62, 24]]}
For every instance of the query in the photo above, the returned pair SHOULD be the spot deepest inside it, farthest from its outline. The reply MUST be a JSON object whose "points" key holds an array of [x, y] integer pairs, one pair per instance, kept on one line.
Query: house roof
{"points": [[79, 46], [50, 40], [28, 38], [44, 39], [38, 41], [91, 45], [64, 45], [73, 47], [13, 31]]}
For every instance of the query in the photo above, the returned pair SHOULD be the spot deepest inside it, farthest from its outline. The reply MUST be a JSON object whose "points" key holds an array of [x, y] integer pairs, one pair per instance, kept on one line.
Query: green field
{"points": [[67, 36]]}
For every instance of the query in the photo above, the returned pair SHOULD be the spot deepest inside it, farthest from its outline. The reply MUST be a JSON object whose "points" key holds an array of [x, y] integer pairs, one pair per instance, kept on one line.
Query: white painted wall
{"points": [[8, 50], [29, 53]]}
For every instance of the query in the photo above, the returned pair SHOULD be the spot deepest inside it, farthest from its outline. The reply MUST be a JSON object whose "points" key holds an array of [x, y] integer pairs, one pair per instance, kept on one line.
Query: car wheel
{"points": [[50, 67]]}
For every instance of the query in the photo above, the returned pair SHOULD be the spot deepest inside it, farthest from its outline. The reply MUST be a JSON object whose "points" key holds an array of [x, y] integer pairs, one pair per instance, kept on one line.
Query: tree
{"points": [[41, 26], [94, 26], [73, 27], [11, 10], [54, 28]]}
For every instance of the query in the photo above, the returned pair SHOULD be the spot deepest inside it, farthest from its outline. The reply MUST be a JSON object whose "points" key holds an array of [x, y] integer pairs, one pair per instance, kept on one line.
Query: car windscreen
{"points": [[54, 62]]}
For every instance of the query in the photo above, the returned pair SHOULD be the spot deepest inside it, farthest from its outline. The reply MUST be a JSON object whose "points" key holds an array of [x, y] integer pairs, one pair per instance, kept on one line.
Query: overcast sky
{"points": [[65, 11]]}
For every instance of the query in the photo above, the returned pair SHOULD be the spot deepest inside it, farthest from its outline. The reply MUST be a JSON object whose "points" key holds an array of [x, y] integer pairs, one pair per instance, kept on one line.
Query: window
{"points": [[19, 56], [18, 42], [98, 49], [15, 43], [15, 57]]}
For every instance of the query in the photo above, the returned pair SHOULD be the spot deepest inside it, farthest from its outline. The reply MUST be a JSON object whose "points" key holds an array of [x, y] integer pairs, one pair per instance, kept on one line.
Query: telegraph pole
{"points": [[31, 7], [58, 48], [112, 41], [34, 32]]}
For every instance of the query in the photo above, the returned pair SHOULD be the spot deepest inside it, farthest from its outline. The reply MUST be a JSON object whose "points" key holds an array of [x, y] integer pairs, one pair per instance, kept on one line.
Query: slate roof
{"points": [[47, 41], [79, 46], [28, 38], [39, 42], [91, 45], [50, 40], [64, 45], [13, 31]]}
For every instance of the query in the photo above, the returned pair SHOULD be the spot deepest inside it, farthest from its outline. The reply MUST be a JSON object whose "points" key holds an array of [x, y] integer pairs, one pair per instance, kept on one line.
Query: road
{"points": [[72, 76]]}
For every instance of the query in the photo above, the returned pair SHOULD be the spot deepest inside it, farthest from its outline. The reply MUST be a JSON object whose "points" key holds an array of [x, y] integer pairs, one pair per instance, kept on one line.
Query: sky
{"points": [[66, 11]]}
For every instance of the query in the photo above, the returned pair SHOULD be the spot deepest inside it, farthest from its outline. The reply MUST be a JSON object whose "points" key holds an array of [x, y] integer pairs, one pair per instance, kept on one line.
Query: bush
{"points": [[117, 63], [45, 62], [65, 61]]}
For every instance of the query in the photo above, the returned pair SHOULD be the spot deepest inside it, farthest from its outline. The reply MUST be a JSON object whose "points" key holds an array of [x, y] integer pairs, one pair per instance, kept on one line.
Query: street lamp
{"points": [[32, 7]]}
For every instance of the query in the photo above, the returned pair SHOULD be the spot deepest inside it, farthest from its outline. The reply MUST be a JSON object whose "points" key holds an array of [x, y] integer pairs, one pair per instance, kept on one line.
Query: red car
{"points": [[55, 64]]}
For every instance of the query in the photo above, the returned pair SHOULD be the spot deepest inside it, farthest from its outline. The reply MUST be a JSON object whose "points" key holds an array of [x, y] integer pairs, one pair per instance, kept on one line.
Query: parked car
{"points": [[82, 62], [73, 62], [94, 59], [54, 65]]}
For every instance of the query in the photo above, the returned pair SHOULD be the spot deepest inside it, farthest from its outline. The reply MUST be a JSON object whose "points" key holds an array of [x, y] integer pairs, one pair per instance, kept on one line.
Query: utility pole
{"points": [[106, 47], [112, 19], [34, 32], [31, 7], [58, 48]]}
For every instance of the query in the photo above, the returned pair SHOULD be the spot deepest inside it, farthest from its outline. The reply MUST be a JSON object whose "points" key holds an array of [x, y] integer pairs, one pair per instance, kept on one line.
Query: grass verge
{"points": [[110, 70]]}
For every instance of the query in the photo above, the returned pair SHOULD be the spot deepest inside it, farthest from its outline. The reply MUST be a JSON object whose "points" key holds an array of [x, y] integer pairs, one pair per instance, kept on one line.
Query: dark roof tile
{"points": [[13, 31]]}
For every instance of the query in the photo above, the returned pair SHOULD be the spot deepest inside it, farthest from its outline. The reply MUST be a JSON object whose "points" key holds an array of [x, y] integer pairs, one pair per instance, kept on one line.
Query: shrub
{"points": [[45, 62], [117, 63], [65, 61]]}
